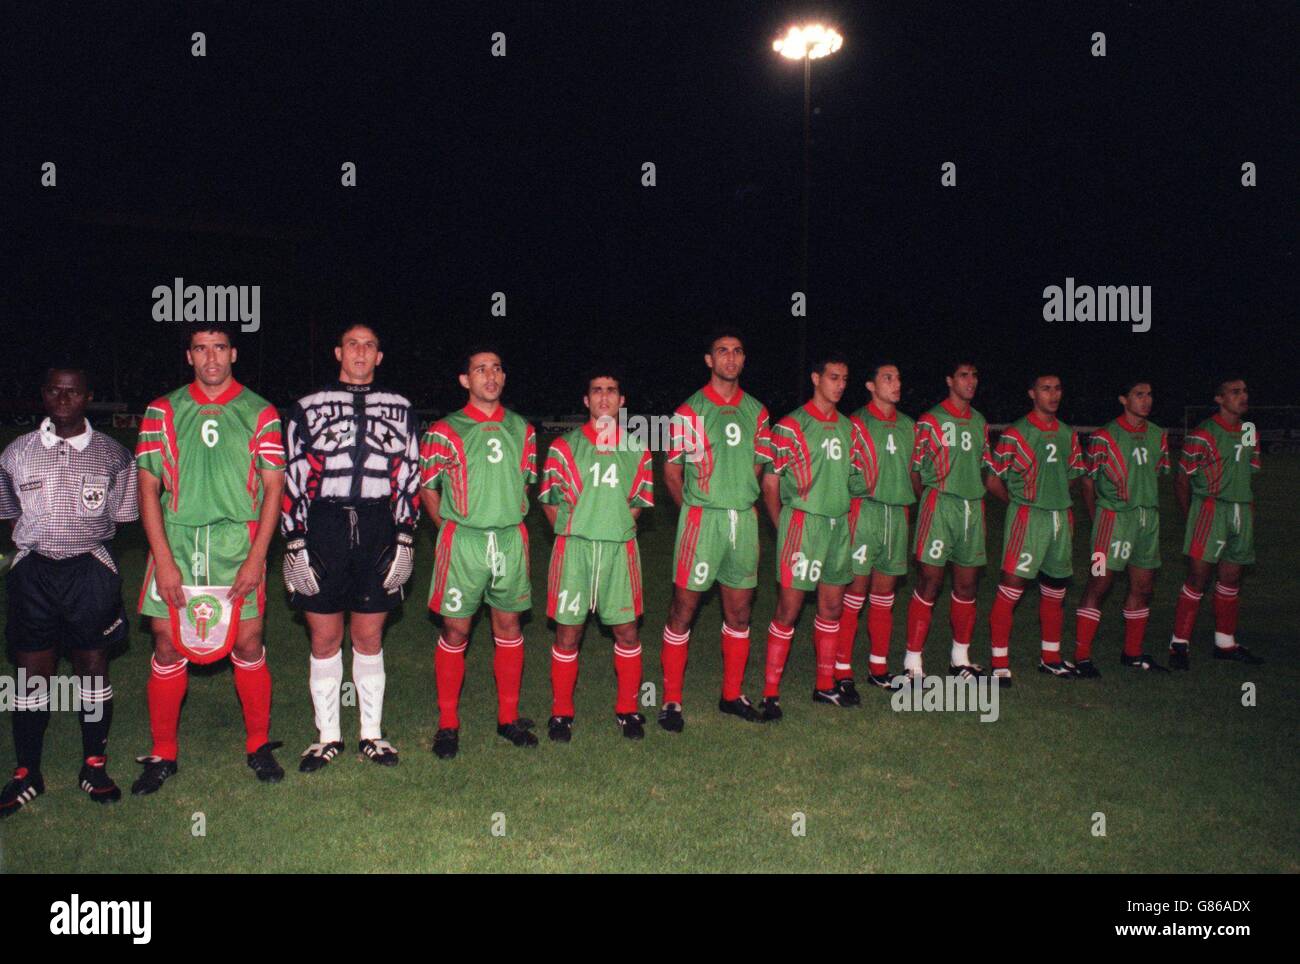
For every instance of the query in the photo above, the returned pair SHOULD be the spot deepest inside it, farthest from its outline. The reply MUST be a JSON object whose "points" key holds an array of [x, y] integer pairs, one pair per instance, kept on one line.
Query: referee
{"points": [[68, 487], [350, 511]]}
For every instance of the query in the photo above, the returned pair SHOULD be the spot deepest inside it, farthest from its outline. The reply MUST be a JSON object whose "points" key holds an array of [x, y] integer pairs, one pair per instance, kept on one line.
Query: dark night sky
{"points": [[522, 174]]}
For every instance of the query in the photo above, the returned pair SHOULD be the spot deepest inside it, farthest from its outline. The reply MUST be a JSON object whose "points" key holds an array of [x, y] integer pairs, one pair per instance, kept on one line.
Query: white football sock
{"points": [[912, 663], [368, 674], [960, 653], [324, 680], [1224, 641]]}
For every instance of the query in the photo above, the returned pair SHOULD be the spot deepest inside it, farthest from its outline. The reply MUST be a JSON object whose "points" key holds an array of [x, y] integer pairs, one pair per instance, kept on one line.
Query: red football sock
{"points": [[1135, 630], [735, 654], [1225, 609], [673, 659], [1000, 618], [961, 615], [848, 630], [919, 612], [508, 667], [253, 684], [1086, 622], [880, 625], [1051, 617], [778, 648], [627, 667], [166, 690], [449, 672], [1189, 601], [564, 679], [826, 635]]}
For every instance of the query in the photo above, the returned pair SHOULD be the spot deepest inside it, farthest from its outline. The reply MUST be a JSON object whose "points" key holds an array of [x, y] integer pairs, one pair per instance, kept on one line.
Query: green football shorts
{"points": [[949, 529], [1037, 540], [207, 556], [716, 545], [589, 576], [814, 549], [1128, 538], [878, 538], [1220, 531], [472, 566]]}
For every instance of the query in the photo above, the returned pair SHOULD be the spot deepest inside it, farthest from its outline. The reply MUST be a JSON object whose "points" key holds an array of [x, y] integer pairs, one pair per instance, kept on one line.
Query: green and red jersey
{"points": [[483, 464], [1220, 461], [209, 452], [951, 450], [718, 441], [812, 453], [597, 478], [883, 448], [1038, 459], [1125, 461]]}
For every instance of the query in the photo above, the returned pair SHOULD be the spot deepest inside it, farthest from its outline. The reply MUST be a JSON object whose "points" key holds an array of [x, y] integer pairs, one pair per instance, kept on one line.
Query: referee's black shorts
{"points": [[75, 603], [350, 549]]}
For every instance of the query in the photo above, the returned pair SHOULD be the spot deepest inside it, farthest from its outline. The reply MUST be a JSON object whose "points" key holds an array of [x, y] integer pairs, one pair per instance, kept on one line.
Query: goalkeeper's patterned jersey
{"points": [[1124, 462], [597, 479], [1220, 461], [884, 456], [1038, 459], [719, 441], [483, 464], [951, 449], [208, 452], [812, 453], [351, 445]]}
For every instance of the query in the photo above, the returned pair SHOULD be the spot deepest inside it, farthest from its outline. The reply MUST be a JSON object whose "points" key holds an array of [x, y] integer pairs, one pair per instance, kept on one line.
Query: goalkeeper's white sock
{"points": [[368, 674], [325, 680]]}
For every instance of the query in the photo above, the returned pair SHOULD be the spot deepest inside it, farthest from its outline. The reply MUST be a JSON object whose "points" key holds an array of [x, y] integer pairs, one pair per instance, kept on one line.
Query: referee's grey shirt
{"points": [[68, 495]]}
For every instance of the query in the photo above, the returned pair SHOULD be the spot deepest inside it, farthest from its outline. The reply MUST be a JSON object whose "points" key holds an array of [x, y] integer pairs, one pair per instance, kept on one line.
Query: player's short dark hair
{"points": [[215, 327], [344, 329], [956, 362], [820, 361], [1132, 382], [724, 331], [66, 365], [1041, 371], [605, 370], [1223, 378], [874, 368], [482, 348]]}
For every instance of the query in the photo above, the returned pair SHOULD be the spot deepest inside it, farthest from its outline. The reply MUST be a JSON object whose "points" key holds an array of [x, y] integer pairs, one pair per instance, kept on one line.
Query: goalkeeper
{"points": [[350, 510]]}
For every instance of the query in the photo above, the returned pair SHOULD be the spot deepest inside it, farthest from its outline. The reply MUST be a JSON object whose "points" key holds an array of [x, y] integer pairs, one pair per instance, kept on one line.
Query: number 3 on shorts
{"points": [[452, 605]]}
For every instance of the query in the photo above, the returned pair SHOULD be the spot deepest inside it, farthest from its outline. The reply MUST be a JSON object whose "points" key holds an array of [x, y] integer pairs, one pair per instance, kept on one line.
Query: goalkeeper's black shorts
{"points": [[350, 547]]}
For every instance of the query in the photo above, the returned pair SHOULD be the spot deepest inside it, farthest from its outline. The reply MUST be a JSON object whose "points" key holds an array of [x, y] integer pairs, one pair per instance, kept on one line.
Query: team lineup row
{"points": [[350, 475]]}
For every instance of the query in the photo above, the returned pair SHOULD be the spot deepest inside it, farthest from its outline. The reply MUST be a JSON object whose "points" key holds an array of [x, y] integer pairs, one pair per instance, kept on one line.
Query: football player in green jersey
{"points": [[806, 494], [882, 495], [1213, 485], [595, 483], [1125, 457], [475, 468], [947, 464], [720, 442], [211, 469], [1039, 456]]}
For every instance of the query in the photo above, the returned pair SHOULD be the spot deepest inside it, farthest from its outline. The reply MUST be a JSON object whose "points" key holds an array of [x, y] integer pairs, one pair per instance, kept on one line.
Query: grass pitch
{"points": [[1189, 779]]}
